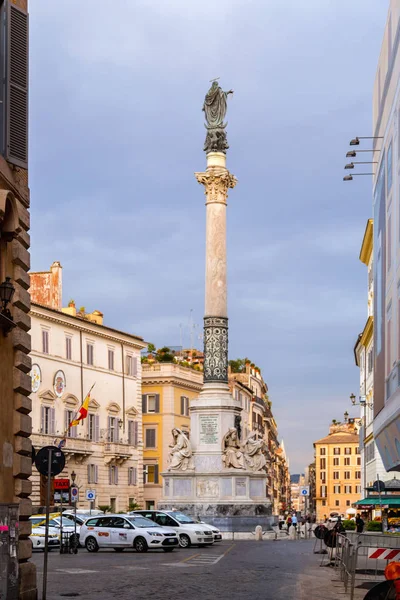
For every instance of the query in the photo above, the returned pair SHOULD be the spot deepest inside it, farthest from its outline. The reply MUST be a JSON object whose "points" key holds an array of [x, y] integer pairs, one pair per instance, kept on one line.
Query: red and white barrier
{"points": [[384, 553]]}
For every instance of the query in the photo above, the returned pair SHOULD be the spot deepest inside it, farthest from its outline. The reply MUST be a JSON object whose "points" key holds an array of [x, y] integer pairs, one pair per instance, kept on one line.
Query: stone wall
{"points": [[15, 364]]}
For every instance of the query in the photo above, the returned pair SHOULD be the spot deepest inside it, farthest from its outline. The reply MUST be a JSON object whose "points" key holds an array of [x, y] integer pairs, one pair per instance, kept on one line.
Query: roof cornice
{"points": [[56, 316]]}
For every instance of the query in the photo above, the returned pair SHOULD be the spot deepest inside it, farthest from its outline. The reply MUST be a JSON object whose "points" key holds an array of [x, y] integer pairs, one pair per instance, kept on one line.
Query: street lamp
{"points": [[7, 291], [353, 153], [351, 165], [350, 177], [73, 477], [362, 401], [356, 141], [346, 416]]}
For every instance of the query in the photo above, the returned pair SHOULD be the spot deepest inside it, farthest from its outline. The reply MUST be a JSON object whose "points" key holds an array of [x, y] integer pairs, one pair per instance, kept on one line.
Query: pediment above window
{"points": [[114, 408], [93, 404], [48, 395], [131, 412], [70, 401]]}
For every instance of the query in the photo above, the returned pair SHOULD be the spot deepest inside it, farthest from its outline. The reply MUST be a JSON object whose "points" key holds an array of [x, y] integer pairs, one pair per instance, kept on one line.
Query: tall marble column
{"points": [[220, 481], [216, 180]]}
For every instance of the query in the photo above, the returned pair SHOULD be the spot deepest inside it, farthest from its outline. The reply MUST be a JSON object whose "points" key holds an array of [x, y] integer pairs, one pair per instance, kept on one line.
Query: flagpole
{"points": [[76, 413]]}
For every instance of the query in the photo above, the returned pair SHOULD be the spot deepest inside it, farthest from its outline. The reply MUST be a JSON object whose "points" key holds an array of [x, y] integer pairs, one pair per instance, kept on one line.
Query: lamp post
{"points": [[353, 153], [351, 165], [73, 477], [7, 291], [350, 177], [356, 141], [362, 402]]}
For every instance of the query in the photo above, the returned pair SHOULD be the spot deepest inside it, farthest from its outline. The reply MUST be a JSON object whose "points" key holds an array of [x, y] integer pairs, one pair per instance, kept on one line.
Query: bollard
{"points": [[259, 533]]}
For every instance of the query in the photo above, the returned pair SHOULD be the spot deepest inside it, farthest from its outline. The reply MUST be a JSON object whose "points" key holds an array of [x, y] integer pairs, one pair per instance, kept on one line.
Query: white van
{"points": [[189, 532]]}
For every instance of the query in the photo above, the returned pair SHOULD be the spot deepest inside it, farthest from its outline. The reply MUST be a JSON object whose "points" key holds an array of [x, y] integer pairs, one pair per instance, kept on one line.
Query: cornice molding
{"points": [[62, 319], [175, 381]]}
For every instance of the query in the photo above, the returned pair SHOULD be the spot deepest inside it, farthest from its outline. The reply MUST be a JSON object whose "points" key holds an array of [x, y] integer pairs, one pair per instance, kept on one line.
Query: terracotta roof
{"points": [[339, 438]]}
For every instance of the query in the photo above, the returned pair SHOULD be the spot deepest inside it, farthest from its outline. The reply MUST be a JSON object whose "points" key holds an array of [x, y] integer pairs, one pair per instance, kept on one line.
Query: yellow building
{"points": [[167, 390], [338, 469]]}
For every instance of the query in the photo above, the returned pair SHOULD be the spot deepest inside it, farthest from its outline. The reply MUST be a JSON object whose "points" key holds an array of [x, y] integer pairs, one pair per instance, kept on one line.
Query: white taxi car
{"points": [[55, 521], [37, 538], [126, 531], [189, 532]]}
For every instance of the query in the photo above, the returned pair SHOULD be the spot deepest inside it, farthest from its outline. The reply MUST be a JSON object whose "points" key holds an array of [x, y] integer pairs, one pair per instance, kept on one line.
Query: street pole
{"points": [[380, 498], [61, 512], [305, 517], [46, 539]]}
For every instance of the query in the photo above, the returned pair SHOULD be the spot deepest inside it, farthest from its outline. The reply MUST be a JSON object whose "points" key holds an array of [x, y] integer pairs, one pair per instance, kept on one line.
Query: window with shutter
{"points": [[97, 428], [150, 438], [52, 420], [45, 341], [89, 473], [111, 359], [15, 85], [155, 473], [134, 366], [96, 474], [135, 433], [134, 476], [42, 419], [68, 348], [157, 403], [182, 405], [144, 403]]}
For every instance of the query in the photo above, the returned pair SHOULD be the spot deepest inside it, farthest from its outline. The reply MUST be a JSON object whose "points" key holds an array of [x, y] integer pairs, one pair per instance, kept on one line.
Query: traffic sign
{"points": [[379, 486], [61, 484], [57, 460], [74, 494], [90, 495], [305, 490]]}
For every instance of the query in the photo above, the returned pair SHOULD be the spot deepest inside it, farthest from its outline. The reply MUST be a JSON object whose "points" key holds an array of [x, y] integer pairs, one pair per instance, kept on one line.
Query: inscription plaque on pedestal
{"points": [[208, 429]]}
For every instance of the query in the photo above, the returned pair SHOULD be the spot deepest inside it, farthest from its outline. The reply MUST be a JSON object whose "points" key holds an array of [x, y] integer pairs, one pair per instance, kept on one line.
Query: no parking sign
{"points": [[74, 494]]}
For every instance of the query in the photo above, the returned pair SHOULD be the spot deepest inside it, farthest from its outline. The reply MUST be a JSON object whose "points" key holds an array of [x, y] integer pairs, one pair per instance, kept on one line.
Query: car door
{"points": [[121, 532], [166, 521], [102, 532]]}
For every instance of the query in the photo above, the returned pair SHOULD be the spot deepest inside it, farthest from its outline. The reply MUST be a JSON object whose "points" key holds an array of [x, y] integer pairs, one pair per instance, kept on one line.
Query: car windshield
{"points": [[141, 522], [181, 518], [65, 522]]}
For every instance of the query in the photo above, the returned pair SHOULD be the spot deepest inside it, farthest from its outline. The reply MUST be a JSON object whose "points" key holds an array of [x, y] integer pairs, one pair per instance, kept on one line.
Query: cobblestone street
{"points": [[235, 570]]}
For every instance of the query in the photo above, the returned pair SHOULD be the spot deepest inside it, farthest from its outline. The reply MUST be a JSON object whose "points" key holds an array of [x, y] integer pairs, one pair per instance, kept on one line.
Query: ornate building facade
{"points": [[72, 351], [167, 391]]}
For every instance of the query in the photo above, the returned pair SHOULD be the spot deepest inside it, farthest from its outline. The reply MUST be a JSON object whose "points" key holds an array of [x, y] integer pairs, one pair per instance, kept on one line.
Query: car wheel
{"points": [[119, 549], [184, 541], [91, 545], [140, 545], [168, 549]]}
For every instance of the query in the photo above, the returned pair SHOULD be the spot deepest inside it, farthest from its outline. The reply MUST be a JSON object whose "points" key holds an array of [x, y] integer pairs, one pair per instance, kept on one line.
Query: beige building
{"points": [[167, 390], [71, 351], [338, 469], [298, 502]]}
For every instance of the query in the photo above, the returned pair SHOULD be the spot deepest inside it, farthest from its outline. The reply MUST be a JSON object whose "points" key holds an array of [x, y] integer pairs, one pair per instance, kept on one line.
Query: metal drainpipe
{"points": [[80, 334], [123, 388]]}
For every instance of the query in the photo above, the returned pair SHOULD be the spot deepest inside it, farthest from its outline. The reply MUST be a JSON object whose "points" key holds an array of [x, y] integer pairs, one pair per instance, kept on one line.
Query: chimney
{"points": [[46, 287]]}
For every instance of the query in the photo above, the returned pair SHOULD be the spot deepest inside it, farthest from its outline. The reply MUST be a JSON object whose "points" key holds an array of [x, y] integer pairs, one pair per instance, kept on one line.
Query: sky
{"points": [[117, 132]]}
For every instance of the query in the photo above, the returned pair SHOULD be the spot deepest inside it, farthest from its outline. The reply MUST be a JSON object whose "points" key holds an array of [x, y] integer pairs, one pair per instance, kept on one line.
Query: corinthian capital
{"points": [[216, 184]]}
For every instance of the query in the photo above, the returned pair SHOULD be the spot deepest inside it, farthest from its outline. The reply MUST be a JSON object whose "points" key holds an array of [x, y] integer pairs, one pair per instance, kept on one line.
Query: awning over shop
{"points": [[387, 501]]}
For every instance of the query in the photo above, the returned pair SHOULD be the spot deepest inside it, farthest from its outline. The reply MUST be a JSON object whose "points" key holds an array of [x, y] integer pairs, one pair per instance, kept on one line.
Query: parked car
{"points": [[126, 531], [37, 538], [55, 521], [216, 532], [80, 518], [189, 532]]}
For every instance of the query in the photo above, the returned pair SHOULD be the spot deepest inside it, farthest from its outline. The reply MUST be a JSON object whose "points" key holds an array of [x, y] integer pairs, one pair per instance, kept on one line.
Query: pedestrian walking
{"points": [[359, 523], [289, 523]]}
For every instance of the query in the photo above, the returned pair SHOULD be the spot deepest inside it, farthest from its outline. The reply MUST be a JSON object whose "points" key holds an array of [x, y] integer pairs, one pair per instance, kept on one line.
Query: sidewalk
{"points": [[323, 583]]}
